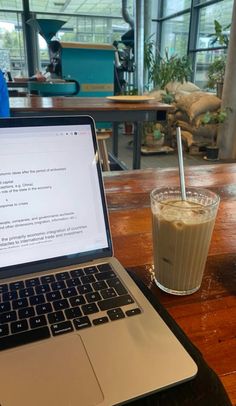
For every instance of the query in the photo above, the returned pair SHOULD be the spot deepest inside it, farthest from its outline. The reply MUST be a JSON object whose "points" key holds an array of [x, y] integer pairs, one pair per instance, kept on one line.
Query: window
{"points": [[172, 7], [97, 21], [203, 59], [12, 52], [206, 37], [207, 15], [175, 35], [187, 27]]}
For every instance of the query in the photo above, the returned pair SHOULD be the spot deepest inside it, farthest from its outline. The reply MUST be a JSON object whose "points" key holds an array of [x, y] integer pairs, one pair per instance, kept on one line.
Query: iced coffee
{"points": [[182, 231]]}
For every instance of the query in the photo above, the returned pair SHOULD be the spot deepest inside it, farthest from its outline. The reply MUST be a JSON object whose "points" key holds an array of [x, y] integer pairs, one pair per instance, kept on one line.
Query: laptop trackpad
{"points": [[54, 372]]}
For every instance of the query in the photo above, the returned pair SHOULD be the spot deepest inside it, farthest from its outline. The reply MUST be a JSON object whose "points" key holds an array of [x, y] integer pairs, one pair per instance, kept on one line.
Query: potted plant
{"points": [[216, 73], [216, 118], [162, 70], [216, 70]]}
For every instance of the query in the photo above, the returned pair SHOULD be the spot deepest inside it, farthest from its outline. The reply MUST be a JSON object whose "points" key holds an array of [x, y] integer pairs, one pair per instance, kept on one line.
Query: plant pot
{"points": [[219, 89], [212, 153], [128, 128]]}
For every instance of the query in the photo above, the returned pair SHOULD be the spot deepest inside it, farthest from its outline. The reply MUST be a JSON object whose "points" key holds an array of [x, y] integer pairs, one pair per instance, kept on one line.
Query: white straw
{"points": [[181, 163]]}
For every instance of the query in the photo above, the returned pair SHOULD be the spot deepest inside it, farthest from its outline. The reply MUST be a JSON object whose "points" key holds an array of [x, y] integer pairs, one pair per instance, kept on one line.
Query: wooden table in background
{"points": [[208, 316], [100, 108]]}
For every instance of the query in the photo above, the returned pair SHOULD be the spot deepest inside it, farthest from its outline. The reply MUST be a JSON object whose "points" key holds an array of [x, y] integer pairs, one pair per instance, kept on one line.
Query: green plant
{"points": [[217, 118], [162, 70], [221, 35], [216, 70]]}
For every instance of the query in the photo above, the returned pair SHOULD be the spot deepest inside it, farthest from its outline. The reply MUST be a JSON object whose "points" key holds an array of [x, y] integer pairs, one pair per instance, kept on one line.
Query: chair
{"points": [[102, 136]]}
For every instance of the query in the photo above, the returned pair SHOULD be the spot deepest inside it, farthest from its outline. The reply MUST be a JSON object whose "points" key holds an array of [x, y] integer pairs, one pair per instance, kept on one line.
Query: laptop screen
{"points": [[52, 204]]}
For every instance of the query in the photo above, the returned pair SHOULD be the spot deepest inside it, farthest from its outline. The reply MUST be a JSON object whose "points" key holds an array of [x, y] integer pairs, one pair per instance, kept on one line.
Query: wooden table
{"points": [[99, 108], [208, 316]]}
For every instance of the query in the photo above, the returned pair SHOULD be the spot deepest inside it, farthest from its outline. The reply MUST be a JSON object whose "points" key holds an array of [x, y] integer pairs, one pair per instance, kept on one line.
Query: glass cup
{"points": [[182, 233]]}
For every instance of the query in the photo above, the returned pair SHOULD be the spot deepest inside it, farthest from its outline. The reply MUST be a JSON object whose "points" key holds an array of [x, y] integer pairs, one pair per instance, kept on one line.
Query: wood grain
{"points": [[208, 316]]}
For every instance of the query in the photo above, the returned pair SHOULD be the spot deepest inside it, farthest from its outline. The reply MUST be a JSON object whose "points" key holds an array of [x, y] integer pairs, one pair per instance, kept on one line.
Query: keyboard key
{"points": [[61, 304], [34, 300], [62, 328], [87, 279], [47, 279], [7, 317], [76, 273], [133, 312], [4, 288], [84, 289], [100, 320], [30, 283], [56, 317], [42, 289], [52, 296], [20, 303], [69, 292], [89, 308], [73, 282], [115, 314], [44, 308], [61, 276], [81, 322], [6, 296], [73, 313], [107, 293], [24, 338], [18, 326], [5, 307], [92, 297], [26, 312], [104, 267], [4, 330], [90, 270], [58, 285], [26, 292], [115, 302], [76, 301], [99, 285], [38, 321], [117, 285], [105, 275], [16, 285]]}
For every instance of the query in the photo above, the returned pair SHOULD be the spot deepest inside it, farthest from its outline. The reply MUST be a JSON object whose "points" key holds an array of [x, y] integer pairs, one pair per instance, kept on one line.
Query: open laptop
{"points": [[75, 329]]}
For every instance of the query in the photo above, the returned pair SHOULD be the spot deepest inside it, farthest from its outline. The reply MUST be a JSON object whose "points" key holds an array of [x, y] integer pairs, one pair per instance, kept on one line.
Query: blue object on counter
{"points": [[4, 97]]}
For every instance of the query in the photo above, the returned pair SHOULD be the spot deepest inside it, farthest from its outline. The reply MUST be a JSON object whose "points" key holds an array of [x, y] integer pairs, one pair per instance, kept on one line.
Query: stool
{"points": [[102, 136]]}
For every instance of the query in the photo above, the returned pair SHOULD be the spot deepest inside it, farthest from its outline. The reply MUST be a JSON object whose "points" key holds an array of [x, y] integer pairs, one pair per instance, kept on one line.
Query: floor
{"points": [[163, 160]]}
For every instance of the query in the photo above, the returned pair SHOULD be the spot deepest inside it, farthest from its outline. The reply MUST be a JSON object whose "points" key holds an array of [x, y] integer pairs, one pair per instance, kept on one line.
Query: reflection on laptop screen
{"points": [[47, 177]]}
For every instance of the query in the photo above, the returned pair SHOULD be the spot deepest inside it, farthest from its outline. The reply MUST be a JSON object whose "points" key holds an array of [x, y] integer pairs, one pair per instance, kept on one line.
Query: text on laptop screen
{"points": [[50, 202]]}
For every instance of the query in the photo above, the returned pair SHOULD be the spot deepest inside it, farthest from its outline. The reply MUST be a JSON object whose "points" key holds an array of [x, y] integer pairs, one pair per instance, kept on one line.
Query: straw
{"points": [[181, 163]]}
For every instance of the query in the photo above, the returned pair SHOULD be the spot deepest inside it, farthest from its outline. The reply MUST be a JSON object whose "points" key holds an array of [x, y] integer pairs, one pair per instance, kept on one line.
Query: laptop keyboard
{"points": [[55, 304]]}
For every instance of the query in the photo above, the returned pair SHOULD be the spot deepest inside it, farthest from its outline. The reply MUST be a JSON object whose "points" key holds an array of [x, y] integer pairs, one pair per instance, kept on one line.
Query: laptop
{"points": [[75, 329]]}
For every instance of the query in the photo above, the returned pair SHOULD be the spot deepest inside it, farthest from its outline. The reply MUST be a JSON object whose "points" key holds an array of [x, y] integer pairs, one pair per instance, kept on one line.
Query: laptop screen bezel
{"points": [[66, 260]]}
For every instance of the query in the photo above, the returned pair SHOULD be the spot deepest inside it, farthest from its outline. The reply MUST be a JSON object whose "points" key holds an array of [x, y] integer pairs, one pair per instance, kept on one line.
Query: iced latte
{"points": [[182, 233]]}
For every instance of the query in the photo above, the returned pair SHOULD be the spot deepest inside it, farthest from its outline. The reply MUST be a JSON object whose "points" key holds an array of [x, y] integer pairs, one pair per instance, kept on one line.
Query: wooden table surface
{"points": [[62, 104], [208, 316]]}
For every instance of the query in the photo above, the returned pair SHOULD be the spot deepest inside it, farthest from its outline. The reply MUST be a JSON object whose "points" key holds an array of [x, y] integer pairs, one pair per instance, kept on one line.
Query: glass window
{"points": [[89, 7], [206, 22], [83, 29], [171, 7], [12, 53], [175, 35], [16, 5], [203, 60]]}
